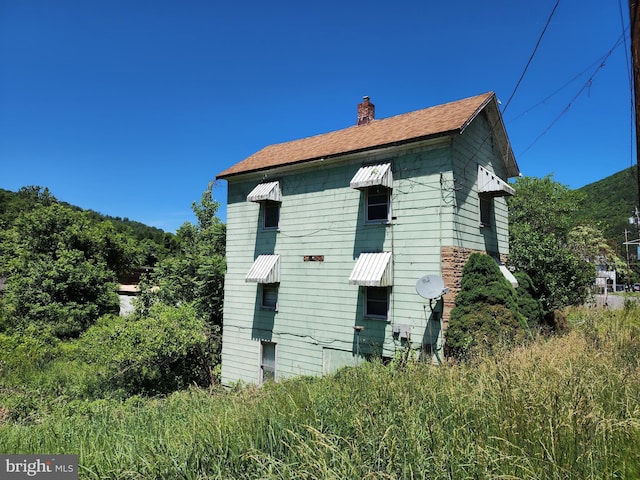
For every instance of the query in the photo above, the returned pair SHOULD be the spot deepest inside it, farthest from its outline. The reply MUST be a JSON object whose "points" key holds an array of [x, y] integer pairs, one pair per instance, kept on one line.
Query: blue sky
{"points": [[131, 108]]}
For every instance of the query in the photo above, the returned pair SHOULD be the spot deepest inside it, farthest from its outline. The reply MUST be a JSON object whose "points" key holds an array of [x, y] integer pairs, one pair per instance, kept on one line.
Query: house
{"points": [[129, 288], [328, 237], [605, 280]]}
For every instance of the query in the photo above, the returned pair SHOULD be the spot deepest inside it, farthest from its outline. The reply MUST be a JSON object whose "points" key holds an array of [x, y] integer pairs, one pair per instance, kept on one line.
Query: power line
{"points": [[588, 84], [548, 97], [493, 125], [630, 75], [531, 57]]}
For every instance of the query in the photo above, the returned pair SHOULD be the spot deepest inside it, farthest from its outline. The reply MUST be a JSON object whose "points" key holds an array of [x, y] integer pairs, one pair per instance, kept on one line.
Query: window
{"points": [[269, 196], [376, 302], [378, 205], [486, 211], [269, 296], [267, 362], [271, 211]]}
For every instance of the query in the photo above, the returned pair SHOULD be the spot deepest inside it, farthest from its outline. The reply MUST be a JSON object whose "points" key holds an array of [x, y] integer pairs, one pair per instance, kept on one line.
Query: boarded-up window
{"points": [[333, 359]]}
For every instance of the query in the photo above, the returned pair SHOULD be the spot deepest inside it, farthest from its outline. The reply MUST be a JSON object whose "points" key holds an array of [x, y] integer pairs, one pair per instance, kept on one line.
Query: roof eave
{"points": [[449, 133], [500, 132]]}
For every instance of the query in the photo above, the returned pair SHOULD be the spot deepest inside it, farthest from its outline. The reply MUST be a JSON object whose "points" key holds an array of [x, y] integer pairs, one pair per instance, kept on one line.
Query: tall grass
{"points": [[564, 407]]}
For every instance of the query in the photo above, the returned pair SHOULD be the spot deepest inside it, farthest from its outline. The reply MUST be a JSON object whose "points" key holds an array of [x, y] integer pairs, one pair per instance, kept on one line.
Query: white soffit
{"points": [[265, 269], [373, 270], [509, 276], [373, 175], [266, 191], [492, 184]]}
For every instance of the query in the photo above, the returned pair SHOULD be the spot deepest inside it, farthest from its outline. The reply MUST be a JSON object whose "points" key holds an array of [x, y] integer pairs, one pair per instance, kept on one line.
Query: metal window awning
{"points": [[373, 270], [266, 191], [509, 276], [491, 184], [373, 175], [265, 269]]}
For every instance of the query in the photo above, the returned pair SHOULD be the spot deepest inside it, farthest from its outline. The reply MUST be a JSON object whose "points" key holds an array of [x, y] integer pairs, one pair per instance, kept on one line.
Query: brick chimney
{"points": [[366, 111]]}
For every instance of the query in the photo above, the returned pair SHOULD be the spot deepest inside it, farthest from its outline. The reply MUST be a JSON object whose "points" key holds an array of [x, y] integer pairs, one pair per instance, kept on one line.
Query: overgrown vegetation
{"points": [[59, 328], [562, 407], [61, 270], [548, 243], [487, 313], [136, 397]]}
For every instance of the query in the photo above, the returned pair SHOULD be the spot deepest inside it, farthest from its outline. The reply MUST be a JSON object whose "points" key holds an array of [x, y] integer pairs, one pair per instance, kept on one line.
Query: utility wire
{"points": [[588, 84], [531, 57], [630, 74], [464, 169], [548, 97]]}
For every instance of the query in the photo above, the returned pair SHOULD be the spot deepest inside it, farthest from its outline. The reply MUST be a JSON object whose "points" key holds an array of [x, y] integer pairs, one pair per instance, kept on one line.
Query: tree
{"points": [[540, 218], [544, 205], [486, 314], [61, 269], [27, 198], [561, 277], [195, 273], [587, 241]]}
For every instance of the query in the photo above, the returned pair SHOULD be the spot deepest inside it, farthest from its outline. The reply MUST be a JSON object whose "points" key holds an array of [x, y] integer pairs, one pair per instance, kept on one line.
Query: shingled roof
{"points": [[442, 120]]}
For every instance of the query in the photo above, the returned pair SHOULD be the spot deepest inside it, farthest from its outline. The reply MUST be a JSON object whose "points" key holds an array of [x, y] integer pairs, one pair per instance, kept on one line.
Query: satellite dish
{"points": [[430, 286]]}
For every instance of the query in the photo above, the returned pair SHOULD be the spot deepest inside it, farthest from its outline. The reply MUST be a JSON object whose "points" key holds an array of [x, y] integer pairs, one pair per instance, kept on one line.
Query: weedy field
{"points": [[562, 407]]}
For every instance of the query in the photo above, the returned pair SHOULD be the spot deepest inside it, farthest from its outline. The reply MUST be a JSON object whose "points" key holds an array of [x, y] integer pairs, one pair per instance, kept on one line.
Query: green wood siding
{"points": [[475, 147], [434, 204]]}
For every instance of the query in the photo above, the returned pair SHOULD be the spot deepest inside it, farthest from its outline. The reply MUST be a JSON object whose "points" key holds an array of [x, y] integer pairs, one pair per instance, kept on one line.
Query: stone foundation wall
{"points": [[452, 261]]}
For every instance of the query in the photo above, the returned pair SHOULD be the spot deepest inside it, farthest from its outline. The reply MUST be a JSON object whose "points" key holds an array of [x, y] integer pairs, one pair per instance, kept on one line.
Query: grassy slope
{"points": [[565, 407]]}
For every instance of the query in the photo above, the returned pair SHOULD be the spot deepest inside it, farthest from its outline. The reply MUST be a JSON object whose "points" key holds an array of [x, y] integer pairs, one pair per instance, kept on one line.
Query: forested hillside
{"points": [[609, 203], [13, 203]]}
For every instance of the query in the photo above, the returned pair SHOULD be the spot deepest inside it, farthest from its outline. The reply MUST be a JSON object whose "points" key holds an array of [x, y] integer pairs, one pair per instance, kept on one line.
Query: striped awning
{"points": [[373, 175], [373, 270], [266, 191], [265, 269], [491, 184]]}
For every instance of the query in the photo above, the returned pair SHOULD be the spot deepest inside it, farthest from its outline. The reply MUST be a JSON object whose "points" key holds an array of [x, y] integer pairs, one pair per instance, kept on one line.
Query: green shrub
{"points": [[486, 314], [165, 351], [528, 303]]}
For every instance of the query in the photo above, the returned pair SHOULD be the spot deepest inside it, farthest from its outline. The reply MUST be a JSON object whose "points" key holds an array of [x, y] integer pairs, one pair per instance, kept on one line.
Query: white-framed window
{"points": [[271, 215], [267, 362], [486, 210], [376, 302], [269, 297], [378, 204]]}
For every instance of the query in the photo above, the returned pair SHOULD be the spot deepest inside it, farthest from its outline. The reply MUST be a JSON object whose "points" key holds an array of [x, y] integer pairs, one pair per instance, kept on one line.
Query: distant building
{"points": [[605, 279], [327, 237], [126, 294], [128, 288]]}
